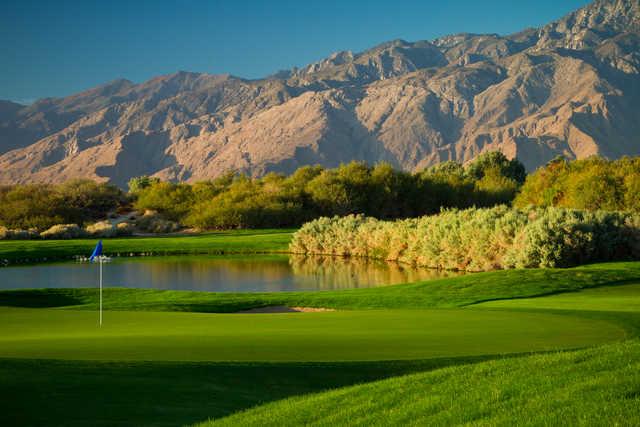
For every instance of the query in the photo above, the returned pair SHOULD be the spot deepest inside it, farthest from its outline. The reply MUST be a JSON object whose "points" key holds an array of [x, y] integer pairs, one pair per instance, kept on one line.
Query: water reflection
{"points": [[269, 273], [344, 273]]}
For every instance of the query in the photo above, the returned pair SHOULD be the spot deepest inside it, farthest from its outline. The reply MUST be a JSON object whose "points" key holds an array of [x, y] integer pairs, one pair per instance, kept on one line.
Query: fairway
{"points": [[299, 337]]}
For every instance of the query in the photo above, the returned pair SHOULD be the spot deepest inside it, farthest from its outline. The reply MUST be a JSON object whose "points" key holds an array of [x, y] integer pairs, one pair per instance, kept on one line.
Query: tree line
{"points": [[380, 191]]}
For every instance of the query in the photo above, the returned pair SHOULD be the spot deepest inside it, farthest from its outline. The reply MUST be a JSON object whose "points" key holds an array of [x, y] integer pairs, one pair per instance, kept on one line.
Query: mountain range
{"points": [[569, 88]]}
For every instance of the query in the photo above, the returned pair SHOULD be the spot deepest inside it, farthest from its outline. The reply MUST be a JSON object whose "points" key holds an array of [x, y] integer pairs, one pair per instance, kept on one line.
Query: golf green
{"points": [[326, 336]]}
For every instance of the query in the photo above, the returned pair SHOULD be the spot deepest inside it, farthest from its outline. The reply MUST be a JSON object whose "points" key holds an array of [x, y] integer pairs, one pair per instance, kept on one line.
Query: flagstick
{"points": [[100, 257]]}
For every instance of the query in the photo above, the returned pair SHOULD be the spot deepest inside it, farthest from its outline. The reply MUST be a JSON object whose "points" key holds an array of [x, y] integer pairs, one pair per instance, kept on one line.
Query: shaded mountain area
{"points": [[569, 88]]}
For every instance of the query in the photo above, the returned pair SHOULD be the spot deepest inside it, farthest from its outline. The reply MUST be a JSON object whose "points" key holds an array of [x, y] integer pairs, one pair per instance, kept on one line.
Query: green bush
{"points": [[479, 239], [41, 206], [591, 184]]}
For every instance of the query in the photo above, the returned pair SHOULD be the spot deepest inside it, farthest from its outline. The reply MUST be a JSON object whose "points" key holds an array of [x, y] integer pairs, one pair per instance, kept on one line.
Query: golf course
{"points": [[480, 348]]}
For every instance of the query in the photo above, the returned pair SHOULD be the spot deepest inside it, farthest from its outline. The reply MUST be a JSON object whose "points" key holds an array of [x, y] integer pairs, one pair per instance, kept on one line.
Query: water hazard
{"points": [[261, 273]]}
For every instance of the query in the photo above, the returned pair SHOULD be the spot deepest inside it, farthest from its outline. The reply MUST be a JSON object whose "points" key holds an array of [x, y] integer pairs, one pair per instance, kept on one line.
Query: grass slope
{"points": [[98, 393], [619, 298], [236, 241], [599, 386]]}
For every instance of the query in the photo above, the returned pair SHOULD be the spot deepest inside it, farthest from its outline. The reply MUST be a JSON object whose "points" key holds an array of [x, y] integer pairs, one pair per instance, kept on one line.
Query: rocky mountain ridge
{"points": [[571, 87]]}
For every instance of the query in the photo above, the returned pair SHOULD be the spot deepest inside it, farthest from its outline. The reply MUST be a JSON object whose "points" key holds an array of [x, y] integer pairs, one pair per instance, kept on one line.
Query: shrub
{"points": [[125, 229], [42, 205], [102, 229], [590, 184], [479, 239], [63, 231], [7, 234], [153, 222]]}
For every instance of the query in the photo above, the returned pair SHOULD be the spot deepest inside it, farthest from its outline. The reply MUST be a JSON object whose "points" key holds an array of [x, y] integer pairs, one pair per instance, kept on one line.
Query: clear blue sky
{"points": [[56, 48]]}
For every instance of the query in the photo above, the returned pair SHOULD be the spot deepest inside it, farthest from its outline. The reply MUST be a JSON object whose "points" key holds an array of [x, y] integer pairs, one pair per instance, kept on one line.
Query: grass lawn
{"points": [[294, 337], [101, 393], [172, 362], [619, 298], [224, 242], [597, 387]]}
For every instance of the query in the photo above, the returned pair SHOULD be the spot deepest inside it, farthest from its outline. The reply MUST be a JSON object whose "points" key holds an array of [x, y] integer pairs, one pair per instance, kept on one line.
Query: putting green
{"points": [[329, 336]]}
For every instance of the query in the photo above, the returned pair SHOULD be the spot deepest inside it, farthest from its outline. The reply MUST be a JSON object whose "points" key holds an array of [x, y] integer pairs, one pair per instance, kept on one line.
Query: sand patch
{"points": [[284, 309]]}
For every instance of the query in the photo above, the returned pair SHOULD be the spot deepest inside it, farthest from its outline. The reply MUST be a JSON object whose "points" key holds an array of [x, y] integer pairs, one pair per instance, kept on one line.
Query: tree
{"points": [[141, 182], [495, 160]]}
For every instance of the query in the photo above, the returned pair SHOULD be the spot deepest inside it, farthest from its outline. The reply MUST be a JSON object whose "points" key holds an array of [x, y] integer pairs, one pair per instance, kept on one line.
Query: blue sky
{"points": [[57, 48]]}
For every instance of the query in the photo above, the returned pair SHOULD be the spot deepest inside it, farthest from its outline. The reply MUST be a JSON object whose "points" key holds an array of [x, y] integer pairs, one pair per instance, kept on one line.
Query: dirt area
{"points": [[284, 309]]}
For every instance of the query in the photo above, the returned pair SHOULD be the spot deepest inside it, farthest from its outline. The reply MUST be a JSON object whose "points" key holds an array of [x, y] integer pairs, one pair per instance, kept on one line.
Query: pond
{"points": [[259, 273]]}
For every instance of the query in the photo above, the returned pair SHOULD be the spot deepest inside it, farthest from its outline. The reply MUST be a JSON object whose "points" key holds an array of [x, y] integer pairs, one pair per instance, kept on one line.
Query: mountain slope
{"points": [[571, 87]]}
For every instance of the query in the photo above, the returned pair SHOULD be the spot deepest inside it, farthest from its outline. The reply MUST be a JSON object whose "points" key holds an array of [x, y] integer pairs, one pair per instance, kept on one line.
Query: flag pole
{"points": [[100, 258]]}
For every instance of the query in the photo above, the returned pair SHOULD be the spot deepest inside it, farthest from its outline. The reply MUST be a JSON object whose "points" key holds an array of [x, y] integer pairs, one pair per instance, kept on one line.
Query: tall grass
{"points": [[479, 239]]}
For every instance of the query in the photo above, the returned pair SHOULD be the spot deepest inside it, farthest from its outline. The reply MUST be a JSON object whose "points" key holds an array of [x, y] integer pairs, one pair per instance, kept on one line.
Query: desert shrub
{"points": [[153, 222], [9, 234], [102, 229], [125, 229], [479, 239], [63, 231]]}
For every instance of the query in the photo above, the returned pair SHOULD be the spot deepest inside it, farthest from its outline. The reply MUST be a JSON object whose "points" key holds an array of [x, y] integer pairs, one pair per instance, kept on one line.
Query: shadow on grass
{"points": [[40, 298], [86, 393]]}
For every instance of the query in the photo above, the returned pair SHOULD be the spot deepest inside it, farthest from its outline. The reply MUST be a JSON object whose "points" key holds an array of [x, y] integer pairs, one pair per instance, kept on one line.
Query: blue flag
{"points": [[97, 251]]}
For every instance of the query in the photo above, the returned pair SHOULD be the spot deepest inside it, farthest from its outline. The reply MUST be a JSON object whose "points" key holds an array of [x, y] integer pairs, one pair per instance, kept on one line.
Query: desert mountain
{"points": [[571, 87]]}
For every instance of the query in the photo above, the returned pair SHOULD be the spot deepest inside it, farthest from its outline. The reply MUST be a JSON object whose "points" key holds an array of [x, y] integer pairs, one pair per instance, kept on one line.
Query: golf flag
{"points": [[97, 251]]}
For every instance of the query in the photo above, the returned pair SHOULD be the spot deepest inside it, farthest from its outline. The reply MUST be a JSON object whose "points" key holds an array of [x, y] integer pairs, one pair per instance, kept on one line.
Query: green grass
{"points": [[599, 387], [619, 298], [596, 386], [98, 393], [236, 241], [293, 337], [171, 365]]}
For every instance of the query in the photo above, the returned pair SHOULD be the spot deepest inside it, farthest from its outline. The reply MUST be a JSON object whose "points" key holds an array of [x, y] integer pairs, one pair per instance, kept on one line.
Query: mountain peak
{"points": [[568, 88]]}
